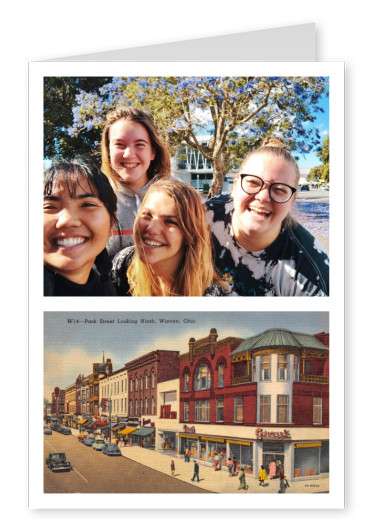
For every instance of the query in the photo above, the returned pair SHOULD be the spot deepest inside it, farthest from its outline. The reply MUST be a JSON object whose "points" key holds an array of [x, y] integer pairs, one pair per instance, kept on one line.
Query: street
{"points": [[94, 472]]}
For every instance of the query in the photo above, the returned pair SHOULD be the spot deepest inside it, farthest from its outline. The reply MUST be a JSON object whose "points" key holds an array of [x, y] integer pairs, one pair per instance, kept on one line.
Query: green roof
{"points": [[279, 337]]}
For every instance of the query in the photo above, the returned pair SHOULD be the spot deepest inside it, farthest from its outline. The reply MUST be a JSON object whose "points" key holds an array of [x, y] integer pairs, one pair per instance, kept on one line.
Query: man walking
{"points": [[196, 469]]}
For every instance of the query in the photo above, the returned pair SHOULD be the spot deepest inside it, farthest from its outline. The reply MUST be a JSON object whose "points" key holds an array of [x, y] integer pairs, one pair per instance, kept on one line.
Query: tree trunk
{"points": [[220, 168]]}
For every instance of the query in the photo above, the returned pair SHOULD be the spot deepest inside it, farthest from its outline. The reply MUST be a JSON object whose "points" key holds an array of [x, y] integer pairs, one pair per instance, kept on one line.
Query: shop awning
{"points": [[144, 432], [188, 435], [101, 424], [82, 421], [244, 443], [90, 425], [214, 439], [127, 431], [118, 427]]}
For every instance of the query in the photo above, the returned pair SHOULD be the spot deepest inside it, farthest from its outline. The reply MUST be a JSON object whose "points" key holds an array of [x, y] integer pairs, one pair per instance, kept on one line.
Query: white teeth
{"points": [[260, 210], [129, 165], [153, 244], [69, 242]]}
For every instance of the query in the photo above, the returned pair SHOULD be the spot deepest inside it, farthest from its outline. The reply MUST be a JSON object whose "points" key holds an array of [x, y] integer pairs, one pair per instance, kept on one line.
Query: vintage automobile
{"points": [[47, 431], [98, 444], [111, 449], [89, 440], [83, 436], [304, 187], [57, 462], [66, 431]]}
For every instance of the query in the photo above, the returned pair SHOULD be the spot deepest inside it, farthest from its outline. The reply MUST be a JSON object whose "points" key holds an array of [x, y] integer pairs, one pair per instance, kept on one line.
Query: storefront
{"points": [[311, 459], [167, 442], [144, 437]]}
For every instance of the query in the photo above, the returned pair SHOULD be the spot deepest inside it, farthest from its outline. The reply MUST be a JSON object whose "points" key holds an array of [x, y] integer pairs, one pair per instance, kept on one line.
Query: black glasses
{"points": [[279, 192]]}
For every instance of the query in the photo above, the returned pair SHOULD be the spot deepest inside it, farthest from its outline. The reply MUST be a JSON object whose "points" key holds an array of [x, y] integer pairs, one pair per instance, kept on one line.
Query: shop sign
{"points": [[308, 445], [187, 429], [146, 421], [263, 434]]}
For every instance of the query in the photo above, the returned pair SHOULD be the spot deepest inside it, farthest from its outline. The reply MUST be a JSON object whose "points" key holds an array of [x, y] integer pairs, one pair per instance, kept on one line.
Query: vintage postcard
{"points": [[235, 191]]}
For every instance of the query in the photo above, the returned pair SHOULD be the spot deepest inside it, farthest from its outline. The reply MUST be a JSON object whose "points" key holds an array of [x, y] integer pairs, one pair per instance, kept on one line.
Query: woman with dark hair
{"points": [[259, 248], [172, 255], [79, 212], [134, 156]]}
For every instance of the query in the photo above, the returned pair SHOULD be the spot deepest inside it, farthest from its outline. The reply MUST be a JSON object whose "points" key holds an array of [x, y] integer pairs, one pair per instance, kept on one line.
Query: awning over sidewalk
{"points": [[118, 427], [82, 421], [127, 431], [144, 432]]}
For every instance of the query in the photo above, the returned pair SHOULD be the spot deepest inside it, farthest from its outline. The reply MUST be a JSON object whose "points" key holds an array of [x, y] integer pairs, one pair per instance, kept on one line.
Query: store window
{"points": [[152, 405], [238, 409], [186, 382], [264, 408], [317, 410], [220, 410], [243, 454], [265, 368], [186, 411], [220, 375], [282, 408], [282, 367], [202, 378], [307, 459], [202, 411]]}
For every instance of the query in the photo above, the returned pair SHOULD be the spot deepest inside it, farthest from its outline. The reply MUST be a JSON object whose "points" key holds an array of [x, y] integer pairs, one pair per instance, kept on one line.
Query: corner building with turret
{"points": [[260, 399]]}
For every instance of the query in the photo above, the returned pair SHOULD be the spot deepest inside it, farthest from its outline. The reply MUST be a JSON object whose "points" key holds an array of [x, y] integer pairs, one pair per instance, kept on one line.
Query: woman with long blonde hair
{"points": [[172, 255]]}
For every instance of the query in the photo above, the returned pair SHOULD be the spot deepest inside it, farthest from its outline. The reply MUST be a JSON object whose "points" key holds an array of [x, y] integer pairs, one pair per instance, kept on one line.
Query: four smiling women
{"points": [[159, 229]]}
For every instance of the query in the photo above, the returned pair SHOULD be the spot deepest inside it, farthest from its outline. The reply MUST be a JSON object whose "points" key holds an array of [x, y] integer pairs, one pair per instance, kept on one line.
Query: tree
{"points": [[321, 173], [235, 111]]}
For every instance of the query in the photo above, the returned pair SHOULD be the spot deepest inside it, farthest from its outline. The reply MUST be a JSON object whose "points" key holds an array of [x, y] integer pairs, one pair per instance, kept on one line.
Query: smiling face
{"points": [[76, 230], [131, 152], [257, 220], [158, 236]]}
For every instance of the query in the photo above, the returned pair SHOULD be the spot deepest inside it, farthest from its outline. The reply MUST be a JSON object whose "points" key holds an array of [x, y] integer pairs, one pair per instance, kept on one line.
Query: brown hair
{"points": [[159, 168], [196, 272]]}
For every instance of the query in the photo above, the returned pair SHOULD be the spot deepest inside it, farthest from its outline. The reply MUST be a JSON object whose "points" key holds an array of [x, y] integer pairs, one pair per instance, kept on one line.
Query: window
{"points": [[296, 368], [265, 367], [202, 411], [282, 367], [146, 407], [238, 409], [202, 378], [186, 382], [140, 383], [153, 379], [220, 410], [136, 384], [152, 405], [307, 369], [136, 408], [140, 407], [130, 407], [253, 369], [317, 410], [186, 411], [146, 381], [131, 385], [264, 408], [282, 408], [220, 375]]}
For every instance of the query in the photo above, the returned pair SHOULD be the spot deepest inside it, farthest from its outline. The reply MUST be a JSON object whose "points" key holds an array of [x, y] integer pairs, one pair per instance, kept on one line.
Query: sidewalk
{"points": [[213, 481]]}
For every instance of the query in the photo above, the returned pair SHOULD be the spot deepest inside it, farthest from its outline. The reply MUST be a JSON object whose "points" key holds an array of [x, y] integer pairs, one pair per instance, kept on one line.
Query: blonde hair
{"points": [[275, 147], [160, 167], [196, 272]]}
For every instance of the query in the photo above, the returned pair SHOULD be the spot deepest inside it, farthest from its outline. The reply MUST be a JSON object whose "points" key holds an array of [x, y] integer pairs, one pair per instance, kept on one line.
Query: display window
{"points": [[243, 454], [311, 459]]}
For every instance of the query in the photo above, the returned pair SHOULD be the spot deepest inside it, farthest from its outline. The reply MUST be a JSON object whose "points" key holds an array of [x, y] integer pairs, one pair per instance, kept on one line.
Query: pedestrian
{"points": [[186, 455], [172, 467], [196, 471], [262, 476], [272, 469], [281, 476], [230, 466], [216, 462], [235, 463], [243, 485]]}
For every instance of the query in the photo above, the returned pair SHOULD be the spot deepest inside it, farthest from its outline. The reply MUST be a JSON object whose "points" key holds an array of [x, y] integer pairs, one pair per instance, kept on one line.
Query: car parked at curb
{"points": [[47, 431], [111, 449], [83, 436], [98, 445], [57, 462], [66, 431], [304, 187], [89, 440]]}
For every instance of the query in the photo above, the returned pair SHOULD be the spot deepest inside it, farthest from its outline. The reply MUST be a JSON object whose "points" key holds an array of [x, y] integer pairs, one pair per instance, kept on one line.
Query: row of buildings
{"points": [[261, 399]]}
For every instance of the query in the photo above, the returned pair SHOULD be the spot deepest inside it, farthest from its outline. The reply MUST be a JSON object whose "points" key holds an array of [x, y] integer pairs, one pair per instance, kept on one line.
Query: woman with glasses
{"points": [[259, 248]]}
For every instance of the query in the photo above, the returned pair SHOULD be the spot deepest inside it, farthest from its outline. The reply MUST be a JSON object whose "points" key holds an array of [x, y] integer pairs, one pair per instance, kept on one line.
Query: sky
{"points": [[71, 347]]}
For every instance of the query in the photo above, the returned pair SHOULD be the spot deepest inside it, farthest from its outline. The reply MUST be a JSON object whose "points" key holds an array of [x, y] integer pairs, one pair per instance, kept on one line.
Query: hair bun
{"points": [[273, 141]]}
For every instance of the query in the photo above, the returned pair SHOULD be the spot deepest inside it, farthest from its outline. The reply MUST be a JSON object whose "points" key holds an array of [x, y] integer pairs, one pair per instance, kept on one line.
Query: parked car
{"points": [[325, 187], [98, 444], [55, 426], [47, 431], [304, 187], [83, 436], [57, 462], [111, 449], [89, 440], [66, 431]]}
